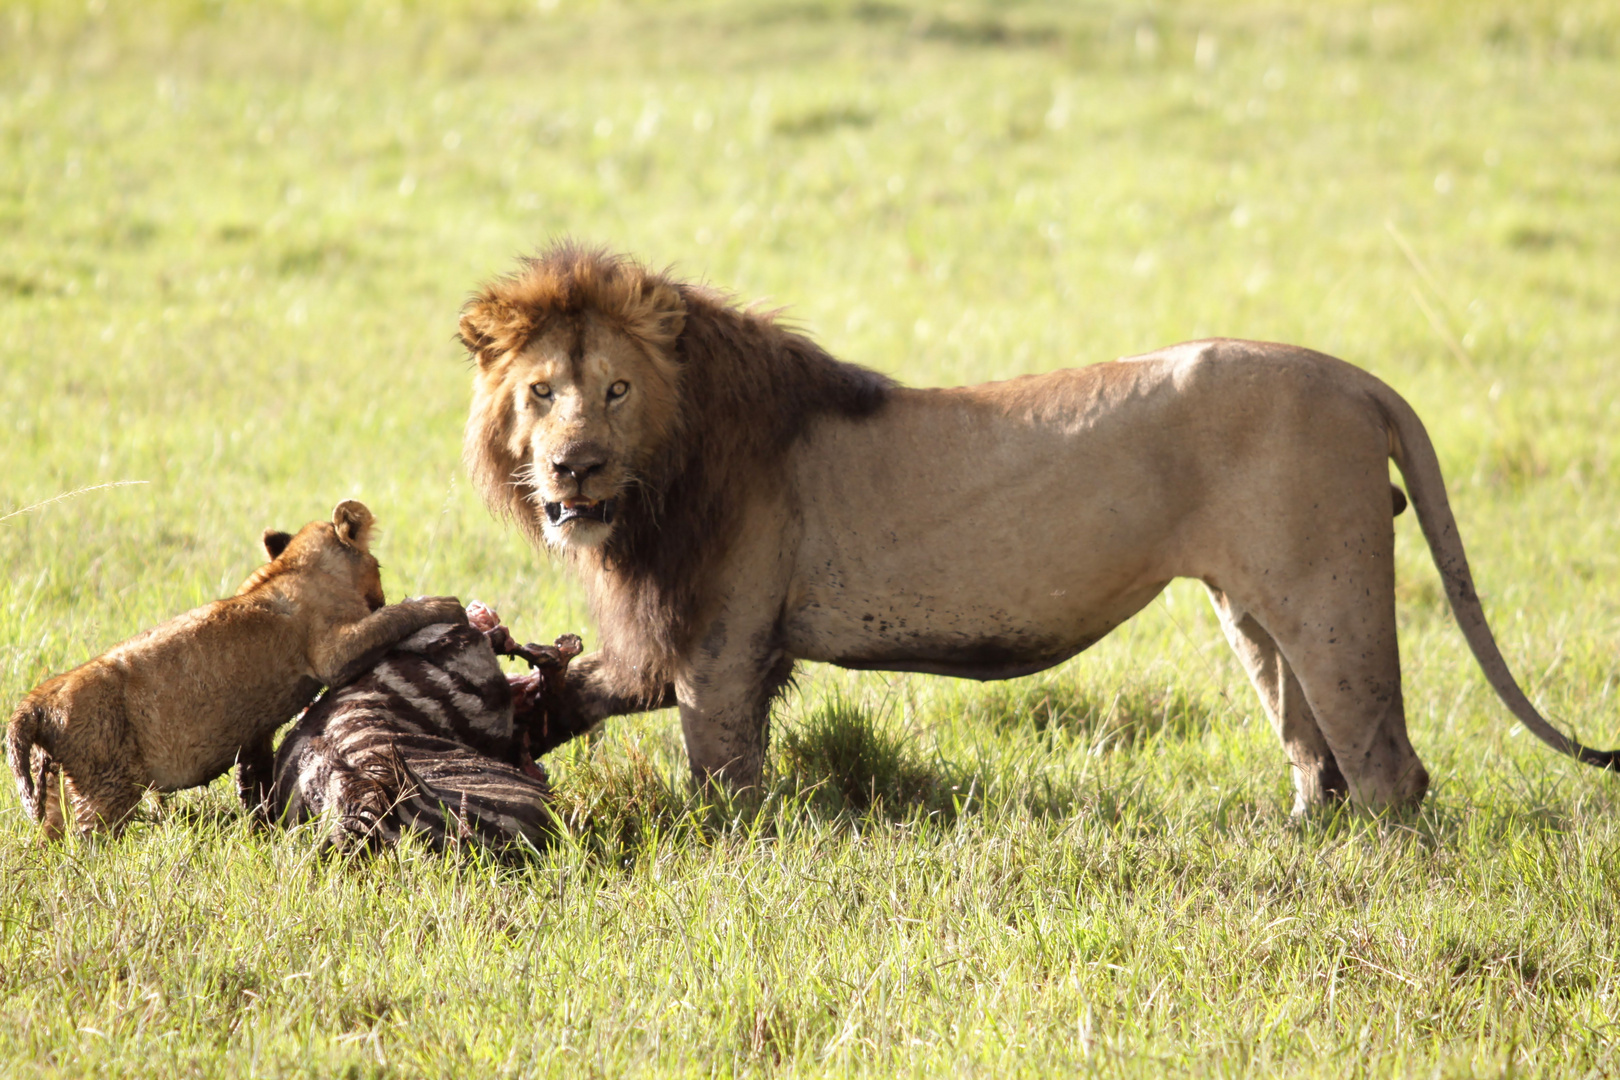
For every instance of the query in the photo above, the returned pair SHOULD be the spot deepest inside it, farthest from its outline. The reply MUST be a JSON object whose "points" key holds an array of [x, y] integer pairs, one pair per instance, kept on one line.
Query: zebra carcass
{"points": [[435, 739]]}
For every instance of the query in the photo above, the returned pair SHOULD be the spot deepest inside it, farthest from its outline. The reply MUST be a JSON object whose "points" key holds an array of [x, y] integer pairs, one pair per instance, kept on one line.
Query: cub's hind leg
{"points": [[49, 787], [1317, 779], [104, 796], [106, 774]]}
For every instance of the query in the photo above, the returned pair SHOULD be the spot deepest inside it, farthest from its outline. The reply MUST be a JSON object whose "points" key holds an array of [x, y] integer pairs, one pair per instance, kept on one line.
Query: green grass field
{"points": [[233, 242]]}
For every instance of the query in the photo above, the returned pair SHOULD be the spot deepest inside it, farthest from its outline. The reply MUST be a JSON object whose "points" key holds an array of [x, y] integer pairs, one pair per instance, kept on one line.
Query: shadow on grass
{"points": [[841, 767], [1109, 717], [1506, 958], [614, 808], [843, 759], [195, 810]]}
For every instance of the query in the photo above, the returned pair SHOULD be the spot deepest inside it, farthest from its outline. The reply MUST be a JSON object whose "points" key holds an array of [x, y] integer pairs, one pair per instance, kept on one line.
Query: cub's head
{"points": [[577, 390], [340, 548]]}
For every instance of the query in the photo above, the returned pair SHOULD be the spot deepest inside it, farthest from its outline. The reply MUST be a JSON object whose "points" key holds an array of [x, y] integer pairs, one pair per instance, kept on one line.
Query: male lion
{"points": [[737, 500], [174, 707]]}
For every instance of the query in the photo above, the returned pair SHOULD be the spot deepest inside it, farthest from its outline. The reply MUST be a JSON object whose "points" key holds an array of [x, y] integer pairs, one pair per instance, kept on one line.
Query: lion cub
{"points": [[174, 707]]}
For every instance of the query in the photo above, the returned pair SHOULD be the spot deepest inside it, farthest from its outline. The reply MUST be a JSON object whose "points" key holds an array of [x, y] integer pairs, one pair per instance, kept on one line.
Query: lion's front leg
{"points": [[255, 773], [725, 703], [593, 690]]}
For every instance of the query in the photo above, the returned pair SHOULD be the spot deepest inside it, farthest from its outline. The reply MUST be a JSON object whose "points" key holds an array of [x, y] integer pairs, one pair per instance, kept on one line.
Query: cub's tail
{"points": [[1414, 455], [30, 762]]}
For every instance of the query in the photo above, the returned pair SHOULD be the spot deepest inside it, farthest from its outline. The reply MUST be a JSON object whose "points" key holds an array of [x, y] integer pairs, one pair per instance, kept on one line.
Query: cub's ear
{"points": [[353, 523], [276, 542], [488, 328]]}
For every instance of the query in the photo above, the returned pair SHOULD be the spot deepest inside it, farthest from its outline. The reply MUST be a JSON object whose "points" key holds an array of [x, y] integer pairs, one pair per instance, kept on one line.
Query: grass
{"points": [[233, 240]]}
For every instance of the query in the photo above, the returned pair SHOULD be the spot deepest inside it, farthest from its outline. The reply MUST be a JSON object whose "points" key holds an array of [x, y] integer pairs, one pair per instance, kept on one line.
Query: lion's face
{"points": [[588, 408]]}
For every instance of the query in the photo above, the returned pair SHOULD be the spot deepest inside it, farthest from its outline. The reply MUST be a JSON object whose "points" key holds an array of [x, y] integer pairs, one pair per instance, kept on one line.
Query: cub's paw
{"points": [[443, 609]]}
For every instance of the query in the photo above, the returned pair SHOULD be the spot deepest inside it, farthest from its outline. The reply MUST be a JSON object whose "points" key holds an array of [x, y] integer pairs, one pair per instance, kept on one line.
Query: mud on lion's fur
{"points": [[176, 706], [737, 500], [434, 740]]}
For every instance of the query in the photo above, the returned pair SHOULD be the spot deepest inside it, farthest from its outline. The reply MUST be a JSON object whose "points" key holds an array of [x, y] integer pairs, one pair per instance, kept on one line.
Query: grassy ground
{"points": [[233, 241]]}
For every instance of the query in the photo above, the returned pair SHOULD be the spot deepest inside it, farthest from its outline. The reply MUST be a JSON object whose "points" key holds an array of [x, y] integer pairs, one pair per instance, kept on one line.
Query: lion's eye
{"points": [[541, 390], [618, 390]]}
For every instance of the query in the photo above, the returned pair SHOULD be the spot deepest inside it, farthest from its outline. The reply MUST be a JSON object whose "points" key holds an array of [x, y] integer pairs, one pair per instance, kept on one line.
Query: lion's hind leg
{"points": [[104, 797], [48, 789], [1317, 778], [1336, 630]]}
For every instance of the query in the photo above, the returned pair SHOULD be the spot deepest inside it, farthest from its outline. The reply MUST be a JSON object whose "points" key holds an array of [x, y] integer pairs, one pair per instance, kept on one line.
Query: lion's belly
{"points": [[971, 633], [185, 747], [947, 536], [1007, 598], [961, 655]]}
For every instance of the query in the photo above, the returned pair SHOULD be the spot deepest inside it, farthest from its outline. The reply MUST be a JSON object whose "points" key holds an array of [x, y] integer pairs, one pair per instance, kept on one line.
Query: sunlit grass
{"points": [[233, 241]]}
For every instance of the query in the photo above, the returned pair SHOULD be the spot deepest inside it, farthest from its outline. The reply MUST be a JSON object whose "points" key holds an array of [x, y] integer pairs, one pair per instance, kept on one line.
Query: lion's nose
{"points": [[578, 462]]}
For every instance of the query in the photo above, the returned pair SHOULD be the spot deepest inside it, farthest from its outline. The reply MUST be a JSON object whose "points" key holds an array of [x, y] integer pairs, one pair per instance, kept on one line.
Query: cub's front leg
{"points": [[255, 775], [348, 651]]}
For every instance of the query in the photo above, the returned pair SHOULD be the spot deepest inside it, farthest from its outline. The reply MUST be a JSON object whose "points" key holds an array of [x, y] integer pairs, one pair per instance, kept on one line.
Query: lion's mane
{"points": [[745, 388]]}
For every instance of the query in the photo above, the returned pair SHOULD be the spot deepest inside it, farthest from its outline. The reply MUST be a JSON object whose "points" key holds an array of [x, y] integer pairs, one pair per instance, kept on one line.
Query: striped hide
{"points": [[425, 742]]}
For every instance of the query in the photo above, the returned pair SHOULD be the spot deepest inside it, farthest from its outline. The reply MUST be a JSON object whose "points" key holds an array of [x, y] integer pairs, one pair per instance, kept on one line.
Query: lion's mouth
{"points": [[561, 513]]}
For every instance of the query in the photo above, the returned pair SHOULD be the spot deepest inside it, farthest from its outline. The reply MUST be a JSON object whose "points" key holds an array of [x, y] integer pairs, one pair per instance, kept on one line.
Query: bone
{"points": [[536, 692], [548, 664], [482, 617]]}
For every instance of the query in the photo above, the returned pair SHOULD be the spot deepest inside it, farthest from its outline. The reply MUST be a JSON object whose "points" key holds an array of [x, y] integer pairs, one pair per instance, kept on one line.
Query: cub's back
{"points": [[192, 685]]}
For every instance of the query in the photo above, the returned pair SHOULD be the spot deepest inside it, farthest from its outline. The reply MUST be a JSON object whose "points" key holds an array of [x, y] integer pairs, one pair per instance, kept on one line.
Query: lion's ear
{"points": [[276, 542], [666, 314], [486, 327], [353, 523]]}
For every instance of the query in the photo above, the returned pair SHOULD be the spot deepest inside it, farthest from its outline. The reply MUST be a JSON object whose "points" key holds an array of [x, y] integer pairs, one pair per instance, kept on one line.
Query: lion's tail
{"points": [[1414, 455], [30, 762]]}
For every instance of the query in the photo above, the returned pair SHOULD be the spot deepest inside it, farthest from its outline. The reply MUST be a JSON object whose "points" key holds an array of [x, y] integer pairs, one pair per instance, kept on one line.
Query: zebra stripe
{"points": [[424, 743]]}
